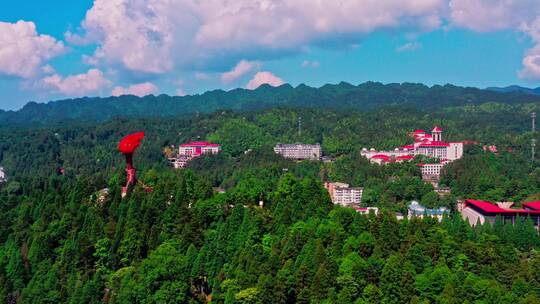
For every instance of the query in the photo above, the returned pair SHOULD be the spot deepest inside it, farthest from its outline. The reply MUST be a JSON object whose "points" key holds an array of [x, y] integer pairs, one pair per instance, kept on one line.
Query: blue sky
{"points": [[178, 47]]}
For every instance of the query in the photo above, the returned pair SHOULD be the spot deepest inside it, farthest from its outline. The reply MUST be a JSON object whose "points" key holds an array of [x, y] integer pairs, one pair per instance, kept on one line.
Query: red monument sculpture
{"points": [[127, 146]]}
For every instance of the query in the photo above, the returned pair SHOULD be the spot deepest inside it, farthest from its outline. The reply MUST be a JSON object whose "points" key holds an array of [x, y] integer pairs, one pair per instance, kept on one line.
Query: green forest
{"points": [[67, 240]]}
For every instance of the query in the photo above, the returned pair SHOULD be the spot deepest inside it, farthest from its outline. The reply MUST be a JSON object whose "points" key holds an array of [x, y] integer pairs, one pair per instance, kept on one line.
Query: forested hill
{"points": [[365, 96]]}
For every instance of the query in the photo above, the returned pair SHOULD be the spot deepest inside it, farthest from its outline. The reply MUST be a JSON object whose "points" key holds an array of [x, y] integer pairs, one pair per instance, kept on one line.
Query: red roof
{"points": [[434, 144], [407, 147], [419, 131], [406, 157], [199, 144], [436, 129], [381, 156], [532, 205], [488, 207]]}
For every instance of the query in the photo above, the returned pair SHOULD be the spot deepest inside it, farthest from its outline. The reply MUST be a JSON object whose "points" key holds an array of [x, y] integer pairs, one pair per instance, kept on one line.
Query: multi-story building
{"points": [[476, 211], [299, 151], [415, 209], [189, 151], [344, 195], [432, 172], [430, 145], [198, 148]]}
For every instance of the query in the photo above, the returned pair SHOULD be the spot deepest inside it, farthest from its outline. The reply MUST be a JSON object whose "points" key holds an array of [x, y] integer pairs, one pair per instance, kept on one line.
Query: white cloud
{"points": [[92, 81], [310, 64], [264, 78], [202, 76], [531, 61], [242, 68], [140, 89], [409, 47], [162, 36], [24, 52], [495, 15], [159, 36], [492, 15], [180, 92]]}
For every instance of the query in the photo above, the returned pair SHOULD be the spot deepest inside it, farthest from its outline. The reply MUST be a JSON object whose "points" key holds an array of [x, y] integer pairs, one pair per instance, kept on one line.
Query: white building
{"points": [[415, 209], [189, 151], [430, 145], [476, 211], [344, 195], [299, 151], [432, 172], [198, 148], [367, 210], [2, 175]]}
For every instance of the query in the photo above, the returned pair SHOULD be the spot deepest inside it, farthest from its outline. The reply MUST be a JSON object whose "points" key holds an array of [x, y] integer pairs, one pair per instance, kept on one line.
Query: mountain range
{"points": [[342, 96], [515, 88]]}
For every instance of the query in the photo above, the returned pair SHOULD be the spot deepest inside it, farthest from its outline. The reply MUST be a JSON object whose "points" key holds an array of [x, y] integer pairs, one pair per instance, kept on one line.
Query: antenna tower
{"points": [[533, 141]]}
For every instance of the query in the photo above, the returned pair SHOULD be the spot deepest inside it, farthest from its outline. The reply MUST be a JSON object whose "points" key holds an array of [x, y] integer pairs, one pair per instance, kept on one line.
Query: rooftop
{"points": [[434, 144], [488, 207], [199, 144]]}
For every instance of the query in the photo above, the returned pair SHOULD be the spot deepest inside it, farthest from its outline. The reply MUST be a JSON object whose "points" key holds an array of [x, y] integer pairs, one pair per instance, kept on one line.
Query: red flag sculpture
{"points": [[127, 146]]}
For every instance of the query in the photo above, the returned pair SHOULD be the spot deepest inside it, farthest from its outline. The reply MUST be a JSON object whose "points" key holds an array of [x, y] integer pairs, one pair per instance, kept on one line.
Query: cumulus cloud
{"points": [[310, 64], [495, 15], [140, 89], [158, 36], [162, 36], [264, 78], [24, 52], [491, 15], [531, 61], [409, 47], [242, 68], [92, 81]]}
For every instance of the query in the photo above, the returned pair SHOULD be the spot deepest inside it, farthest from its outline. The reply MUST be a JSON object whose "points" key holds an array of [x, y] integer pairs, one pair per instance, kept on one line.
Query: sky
{"points": [[61, 49]]}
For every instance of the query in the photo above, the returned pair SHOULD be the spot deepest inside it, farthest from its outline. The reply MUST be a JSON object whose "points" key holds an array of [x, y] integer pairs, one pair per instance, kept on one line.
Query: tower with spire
{"points": [[436, 134]]}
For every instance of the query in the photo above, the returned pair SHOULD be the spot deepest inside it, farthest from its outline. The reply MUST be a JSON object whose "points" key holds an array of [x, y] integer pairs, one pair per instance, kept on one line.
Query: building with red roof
{"points": [[430, 145], [189, 151], [477, 211]]}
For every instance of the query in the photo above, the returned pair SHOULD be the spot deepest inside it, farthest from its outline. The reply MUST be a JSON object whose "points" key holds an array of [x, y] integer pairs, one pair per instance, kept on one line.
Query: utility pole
{"points": [[533, 141], [533, 146]]}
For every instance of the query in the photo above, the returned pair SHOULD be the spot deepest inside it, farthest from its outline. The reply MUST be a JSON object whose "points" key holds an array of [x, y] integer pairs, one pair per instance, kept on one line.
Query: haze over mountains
{"points": [[344, 96], [515, 88]]}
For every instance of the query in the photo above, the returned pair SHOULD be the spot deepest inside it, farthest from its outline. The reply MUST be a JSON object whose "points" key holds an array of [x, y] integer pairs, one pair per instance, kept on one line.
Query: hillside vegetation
{"points": [[65, 240], [342, 96]]}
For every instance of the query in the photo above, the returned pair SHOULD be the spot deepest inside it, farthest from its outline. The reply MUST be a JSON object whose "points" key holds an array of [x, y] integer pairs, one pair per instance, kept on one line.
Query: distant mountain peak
{"points": [[515, 88]]}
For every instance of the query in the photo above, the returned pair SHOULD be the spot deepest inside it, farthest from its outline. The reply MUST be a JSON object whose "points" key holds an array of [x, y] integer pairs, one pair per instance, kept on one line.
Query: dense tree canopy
{"points": [[66, 241]]}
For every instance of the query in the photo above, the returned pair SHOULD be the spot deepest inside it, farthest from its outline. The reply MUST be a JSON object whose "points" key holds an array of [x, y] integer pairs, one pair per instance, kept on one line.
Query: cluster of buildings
{"points": [[346, 196], [426, 144], [415, 209], [299, 151], [477, 211], [189, 151]]}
